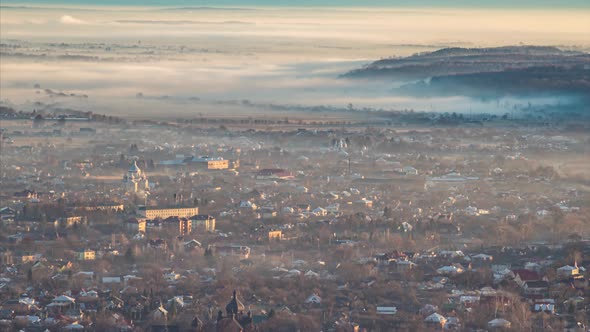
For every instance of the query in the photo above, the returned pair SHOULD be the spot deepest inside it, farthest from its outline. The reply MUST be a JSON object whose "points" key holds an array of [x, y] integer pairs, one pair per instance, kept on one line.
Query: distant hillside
{"points": [[453, 61], [547, 80]]}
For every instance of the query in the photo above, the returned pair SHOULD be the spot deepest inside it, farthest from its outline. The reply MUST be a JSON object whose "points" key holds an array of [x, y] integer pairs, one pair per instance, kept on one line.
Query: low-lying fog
{"points": [[138, 61]]}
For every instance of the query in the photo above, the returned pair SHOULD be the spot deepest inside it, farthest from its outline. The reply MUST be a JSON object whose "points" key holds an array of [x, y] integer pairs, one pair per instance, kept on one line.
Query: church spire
{"points": [[232, 306]]}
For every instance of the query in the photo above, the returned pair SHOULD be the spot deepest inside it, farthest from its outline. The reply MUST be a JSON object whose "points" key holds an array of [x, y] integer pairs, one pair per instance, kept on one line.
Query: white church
{"points": [[135, 180]]}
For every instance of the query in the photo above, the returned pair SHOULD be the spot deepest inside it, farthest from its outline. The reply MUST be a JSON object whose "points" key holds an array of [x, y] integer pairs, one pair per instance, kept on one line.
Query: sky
{"points": [[563, 4]]}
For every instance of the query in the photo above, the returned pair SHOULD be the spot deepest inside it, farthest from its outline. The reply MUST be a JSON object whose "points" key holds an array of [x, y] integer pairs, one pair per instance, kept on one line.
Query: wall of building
{"points": [[171, 212]]}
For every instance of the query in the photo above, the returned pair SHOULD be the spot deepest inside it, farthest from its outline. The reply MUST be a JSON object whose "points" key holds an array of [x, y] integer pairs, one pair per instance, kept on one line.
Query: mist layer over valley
{"points": [[139, 61]]}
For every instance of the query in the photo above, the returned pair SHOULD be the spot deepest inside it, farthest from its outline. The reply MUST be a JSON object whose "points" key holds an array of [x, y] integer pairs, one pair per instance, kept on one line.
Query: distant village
{"points": [[109, 225]]}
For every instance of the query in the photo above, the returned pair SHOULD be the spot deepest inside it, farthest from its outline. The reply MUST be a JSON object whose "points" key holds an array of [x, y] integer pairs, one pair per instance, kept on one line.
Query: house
{"points": [[293, 273], [74, 314], [171, 277], [41, 266], [84, 276], [480, 260], [279, 269], [386, 310], [472, 211], [183, 225], [273, 174], [111, 280], [368, 282], [450, 269], [157, 244], [409, 170], [332, 195], [333, 208], [256, 194], [268, 213], [435, 319], [136, 225], [521, 276], [87, 130], [406, 227], [204, 222], [301, 189], [72, 221], [88, 294], [428, 309], [6, 314], [6, 257], [247, 205], [63, 301], [388, 258], [191, 245], [313, 299], [85, 255], [60, 277], [242, 252], [139, 236], [128, 291], [363, 202], [7, 214], [533, 266], [538, 287], [132, 280], [568, 270], [499, 324], [402, 266], [159, 314], [209, 163], [275, 235], [574, 326], [18, 306], [28, 320], [178, 161], [178, 301], [16, 238], [320, 212], [23, 258], [114, 207], [544, 305], [28, 194], [469, 301], [303, 207], [452, 323]]}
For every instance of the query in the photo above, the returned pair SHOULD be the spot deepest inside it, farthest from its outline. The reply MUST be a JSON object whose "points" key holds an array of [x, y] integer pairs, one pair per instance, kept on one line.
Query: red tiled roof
{"points": [[527, 275]]}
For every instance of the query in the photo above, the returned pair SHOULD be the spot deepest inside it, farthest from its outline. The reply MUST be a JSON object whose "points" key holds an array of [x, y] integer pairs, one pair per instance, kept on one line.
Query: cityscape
{"points": [[252, 166]]}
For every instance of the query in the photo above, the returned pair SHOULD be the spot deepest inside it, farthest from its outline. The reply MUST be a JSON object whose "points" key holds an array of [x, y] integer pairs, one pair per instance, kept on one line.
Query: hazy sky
{"points": [[331, 3]]}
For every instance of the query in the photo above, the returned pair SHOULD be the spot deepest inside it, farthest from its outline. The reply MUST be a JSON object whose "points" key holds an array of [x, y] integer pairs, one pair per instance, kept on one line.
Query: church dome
{"points": [[135, 180]]}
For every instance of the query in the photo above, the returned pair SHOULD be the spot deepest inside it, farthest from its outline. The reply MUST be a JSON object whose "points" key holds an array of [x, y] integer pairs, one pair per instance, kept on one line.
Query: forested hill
{"points": [[453, 61]]}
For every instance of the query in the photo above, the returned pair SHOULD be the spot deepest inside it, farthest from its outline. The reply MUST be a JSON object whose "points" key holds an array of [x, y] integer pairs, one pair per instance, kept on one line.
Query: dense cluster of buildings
{"points": [[334, 230]]}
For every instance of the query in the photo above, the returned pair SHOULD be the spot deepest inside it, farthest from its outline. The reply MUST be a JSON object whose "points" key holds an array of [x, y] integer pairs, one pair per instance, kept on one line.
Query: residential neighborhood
{"points": [[393, 230]]}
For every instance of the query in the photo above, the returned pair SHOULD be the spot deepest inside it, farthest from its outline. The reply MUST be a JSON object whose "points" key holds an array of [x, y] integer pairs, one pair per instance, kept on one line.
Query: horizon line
{"points": [[327, 4]]}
